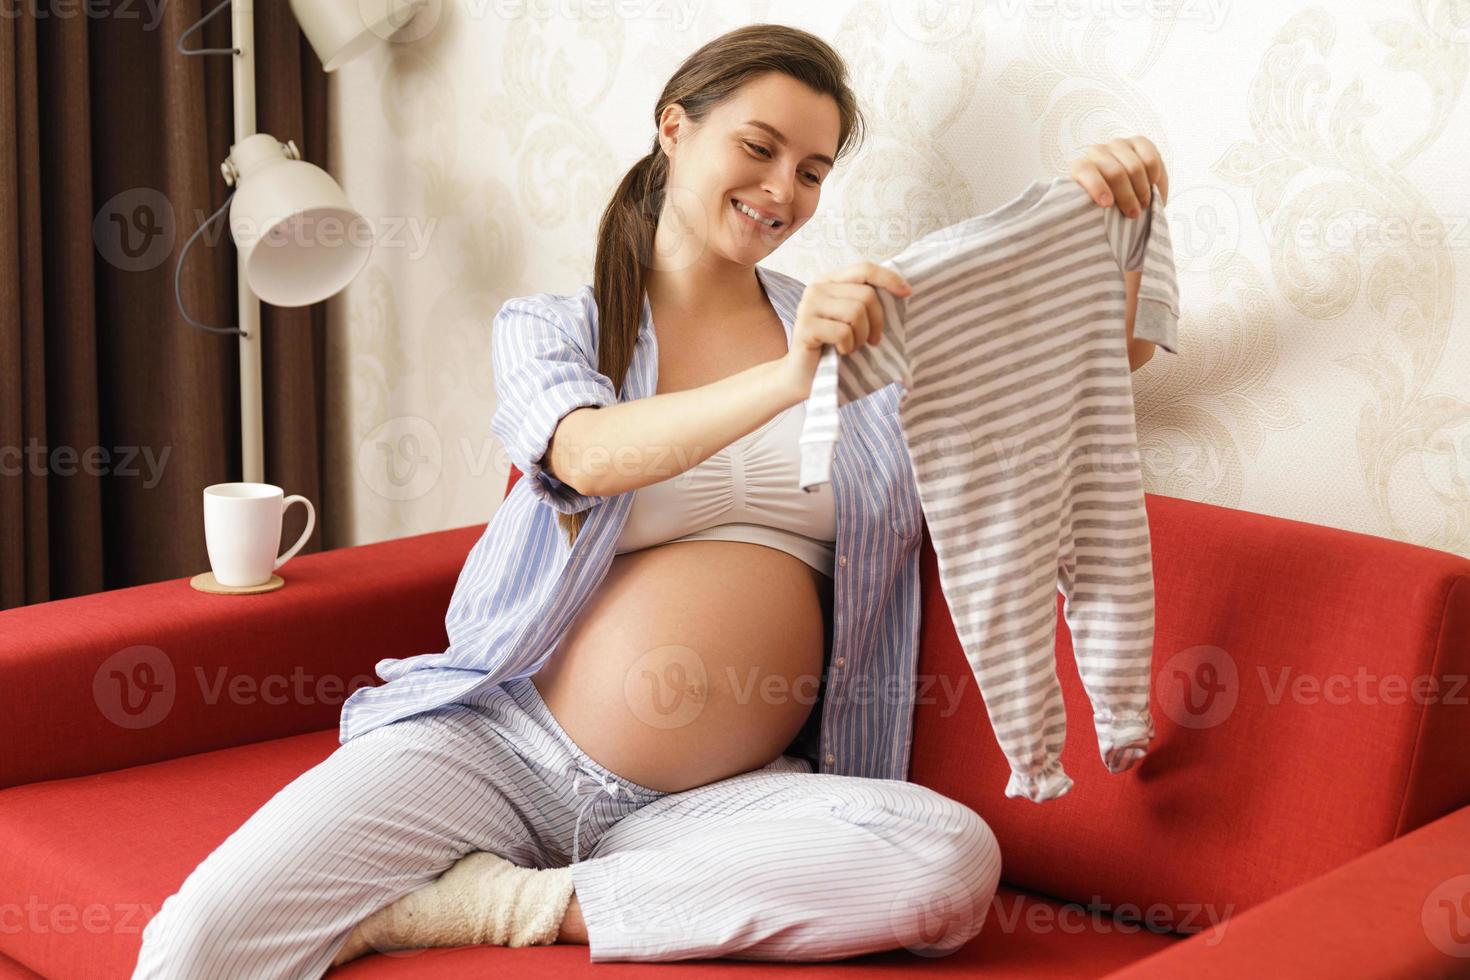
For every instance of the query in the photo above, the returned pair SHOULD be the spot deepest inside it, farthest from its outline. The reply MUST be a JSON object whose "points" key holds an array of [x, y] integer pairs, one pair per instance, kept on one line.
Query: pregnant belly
{"points": [[692, 662]]}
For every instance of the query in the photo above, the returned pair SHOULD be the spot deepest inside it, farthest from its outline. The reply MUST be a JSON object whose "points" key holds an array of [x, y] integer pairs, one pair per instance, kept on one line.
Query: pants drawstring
{"points": [[588, 783]]}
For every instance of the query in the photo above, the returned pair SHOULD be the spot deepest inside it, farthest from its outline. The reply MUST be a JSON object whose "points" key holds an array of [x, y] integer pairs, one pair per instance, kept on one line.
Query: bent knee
{"points": [[190, 935], [228, 903], [979, 851], [949, 901], [967, 848]]}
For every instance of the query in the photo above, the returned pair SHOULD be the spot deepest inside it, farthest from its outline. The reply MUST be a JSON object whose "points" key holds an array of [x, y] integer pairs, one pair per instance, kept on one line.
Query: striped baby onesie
{"points": [[1017, 413]]}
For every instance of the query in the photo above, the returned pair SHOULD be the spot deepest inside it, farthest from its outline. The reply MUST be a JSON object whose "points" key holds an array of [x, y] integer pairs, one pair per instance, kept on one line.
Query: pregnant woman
{"points": [[674, 719]]}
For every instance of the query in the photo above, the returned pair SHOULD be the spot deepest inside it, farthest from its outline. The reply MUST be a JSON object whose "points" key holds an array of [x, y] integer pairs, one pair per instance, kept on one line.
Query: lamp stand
{"points": [[252, 425]]}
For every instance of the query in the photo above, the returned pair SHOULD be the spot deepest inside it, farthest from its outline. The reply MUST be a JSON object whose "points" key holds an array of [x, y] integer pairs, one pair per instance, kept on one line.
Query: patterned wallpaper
{"points": [[1318, 201]]}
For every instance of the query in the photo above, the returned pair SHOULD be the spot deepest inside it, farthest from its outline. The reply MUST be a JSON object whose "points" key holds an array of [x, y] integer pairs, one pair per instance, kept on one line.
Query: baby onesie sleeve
{"points": [[543, 371], [1143, 243], [841, 379]]}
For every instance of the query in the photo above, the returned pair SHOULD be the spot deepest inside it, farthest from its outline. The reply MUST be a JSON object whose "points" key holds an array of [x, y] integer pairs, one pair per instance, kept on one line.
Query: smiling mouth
{"points": [[735, 206]]}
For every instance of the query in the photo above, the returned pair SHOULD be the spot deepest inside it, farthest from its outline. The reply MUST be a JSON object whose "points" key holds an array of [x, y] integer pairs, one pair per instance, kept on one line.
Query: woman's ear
{"points": [[671, 125]]}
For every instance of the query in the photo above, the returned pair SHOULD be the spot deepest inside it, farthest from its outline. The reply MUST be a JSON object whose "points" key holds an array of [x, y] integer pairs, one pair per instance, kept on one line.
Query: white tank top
{"points": [[747, 491]]}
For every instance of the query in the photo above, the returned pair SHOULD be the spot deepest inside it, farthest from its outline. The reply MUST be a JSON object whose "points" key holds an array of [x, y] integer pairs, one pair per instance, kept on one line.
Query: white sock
{"points": [[483, 899]]}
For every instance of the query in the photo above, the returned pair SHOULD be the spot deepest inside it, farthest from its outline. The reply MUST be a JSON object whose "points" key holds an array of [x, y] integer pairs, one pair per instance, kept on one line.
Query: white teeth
{"points": [[769, 222]]}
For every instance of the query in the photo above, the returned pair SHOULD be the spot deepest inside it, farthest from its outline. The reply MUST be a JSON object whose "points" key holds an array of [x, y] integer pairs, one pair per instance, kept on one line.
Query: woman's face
{"points": [[769, 146]]}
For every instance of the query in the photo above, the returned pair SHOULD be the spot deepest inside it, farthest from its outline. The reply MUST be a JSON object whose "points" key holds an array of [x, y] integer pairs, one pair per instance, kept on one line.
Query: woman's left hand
{"points": [[1122, 170]]}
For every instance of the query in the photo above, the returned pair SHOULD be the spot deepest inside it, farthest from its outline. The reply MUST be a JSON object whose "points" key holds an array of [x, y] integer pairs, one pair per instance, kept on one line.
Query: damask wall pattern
{"points": [[1318, 159]]}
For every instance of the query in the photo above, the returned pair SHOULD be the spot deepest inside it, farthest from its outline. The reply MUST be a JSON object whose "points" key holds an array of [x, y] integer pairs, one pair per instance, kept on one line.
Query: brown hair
{"points": [[705, 79]]}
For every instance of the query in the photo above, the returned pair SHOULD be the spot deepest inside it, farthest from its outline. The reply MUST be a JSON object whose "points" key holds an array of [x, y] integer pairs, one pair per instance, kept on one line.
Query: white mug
{"points": [[242, 530]]}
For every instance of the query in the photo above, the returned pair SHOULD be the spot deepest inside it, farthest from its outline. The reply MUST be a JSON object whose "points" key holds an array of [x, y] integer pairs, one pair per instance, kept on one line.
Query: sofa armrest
{"points": [[1401, 910], [130, 676]]}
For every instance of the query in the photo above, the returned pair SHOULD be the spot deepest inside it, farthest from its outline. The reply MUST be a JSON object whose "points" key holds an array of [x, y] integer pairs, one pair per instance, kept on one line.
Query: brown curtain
{"points": [[115, 413]]}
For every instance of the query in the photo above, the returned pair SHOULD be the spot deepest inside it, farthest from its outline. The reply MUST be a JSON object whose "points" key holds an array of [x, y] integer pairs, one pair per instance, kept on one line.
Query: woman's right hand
{"points": [[840, 308]]}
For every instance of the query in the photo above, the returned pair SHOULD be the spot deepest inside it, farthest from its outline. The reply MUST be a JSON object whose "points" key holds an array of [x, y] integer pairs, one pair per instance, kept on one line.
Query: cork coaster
{"points": [[205, 582]]}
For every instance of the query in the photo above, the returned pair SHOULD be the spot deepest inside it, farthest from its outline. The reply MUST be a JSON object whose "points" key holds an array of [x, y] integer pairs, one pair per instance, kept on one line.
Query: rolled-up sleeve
{"points": [[543, 370]]}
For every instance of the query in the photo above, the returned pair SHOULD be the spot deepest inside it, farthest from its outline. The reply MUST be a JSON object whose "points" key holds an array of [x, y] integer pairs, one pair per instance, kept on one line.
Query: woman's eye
{"points": [[756, 146]]}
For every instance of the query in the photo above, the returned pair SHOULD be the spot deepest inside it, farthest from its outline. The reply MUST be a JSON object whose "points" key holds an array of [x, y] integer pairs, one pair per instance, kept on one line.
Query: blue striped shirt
{"points": [[522, 586]]}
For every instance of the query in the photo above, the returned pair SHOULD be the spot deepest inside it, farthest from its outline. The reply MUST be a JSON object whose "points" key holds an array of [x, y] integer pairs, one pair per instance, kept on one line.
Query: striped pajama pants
{"points": [[779, 863]]}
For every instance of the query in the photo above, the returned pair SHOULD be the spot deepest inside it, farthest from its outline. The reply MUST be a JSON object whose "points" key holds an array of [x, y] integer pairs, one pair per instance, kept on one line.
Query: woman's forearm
{"points": [[607, 451], [1140, 352]]}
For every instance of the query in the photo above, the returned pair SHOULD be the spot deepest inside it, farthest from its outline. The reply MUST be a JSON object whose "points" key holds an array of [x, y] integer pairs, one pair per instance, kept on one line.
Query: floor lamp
{"points": [[298, 241]]}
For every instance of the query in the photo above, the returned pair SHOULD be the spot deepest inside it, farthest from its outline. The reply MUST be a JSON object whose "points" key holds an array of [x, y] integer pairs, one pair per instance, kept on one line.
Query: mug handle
{"points": [[310, 523]]}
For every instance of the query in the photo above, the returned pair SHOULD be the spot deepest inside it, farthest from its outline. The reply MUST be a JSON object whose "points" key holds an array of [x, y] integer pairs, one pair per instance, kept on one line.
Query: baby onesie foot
{"points": [[1122, 741], [1045, 784], [482, 899]]}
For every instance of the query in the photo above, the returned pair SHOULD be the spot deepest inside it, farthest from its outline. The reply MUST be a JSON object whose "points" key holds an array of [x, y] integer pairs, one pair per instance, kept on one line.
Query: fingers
{"points": [[828, 305], [873, 274], [849, 297], [1125, 171], [862, 293], [1116, 175], [838, 333], [1158, 174], [1086, 173], [1135, 171]]}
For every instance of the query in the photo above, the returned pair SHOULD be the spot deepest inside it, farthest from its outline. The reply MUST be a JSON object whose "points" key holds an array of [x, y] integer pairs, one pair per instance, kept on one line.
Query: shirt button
{"points": [[830, 760], [842, 561], [839, 661]]}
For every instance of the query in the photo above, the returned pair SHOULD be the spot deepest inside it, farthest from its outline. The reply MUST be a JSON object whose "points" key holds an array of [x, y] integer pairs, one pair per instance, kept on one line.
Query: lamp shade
{"points": [[299, 239], [340, 30]]}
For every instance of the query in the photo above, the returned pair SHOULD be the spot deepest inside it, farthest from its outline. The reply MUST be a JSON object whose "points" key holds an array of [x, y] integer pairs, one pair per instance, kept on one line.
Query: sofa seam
{"points": [[1441, 641]]}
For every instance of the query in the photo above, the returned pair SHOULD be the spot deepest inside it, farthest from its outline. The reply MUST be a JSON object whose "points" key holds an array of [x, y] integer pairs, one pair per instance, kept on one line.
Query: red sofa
{"points": [[1303, 811]]}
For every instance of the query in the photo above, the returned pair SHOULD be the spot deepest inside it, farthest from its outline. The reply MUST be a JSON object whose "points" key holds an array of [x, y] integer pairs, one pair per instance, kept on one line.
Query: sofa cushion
{"points": [[85, 862], [1290, 738]]}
